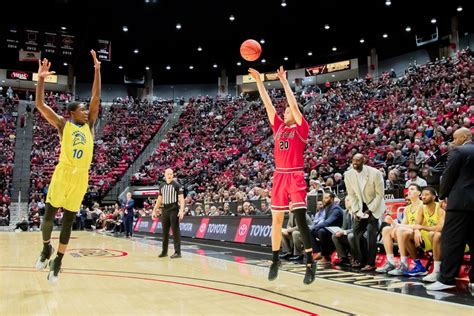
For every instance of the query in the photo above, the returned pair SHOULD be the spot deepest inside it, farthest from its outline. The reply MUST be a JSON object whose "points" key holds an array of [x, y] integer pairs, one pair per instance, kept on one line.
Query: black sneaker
{"points": [[175, 256], [42, 261], [273, 273], [54, 268], [310, 274], [162, 255]]}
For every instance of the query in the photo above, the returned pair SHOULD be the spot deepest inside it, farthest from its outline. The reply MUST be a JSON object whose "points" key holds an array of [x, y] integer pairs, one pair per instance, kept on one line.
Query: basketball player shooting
{"points": [[290, 136], [71, 175]]}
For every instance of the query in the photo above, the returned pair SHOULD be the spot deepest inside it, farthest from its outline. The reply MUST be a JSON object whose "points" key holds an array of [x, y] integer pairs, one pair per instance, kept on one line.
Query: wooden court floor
{"points": [[103, 275]]}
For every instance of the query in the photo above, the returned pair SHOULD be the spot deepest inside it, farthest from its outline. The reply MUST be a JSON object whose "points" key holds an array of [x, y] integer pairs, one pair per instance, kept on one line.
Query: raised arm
{"points": [[290, 97], [52, 117], [264, 95], [96, 88]]}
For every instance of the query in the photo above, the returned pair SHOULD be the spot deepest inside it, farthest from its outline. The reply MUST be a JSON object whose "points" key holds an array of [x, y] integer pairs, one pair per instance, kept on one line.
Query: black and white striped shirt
{"points": [[170, 192]]}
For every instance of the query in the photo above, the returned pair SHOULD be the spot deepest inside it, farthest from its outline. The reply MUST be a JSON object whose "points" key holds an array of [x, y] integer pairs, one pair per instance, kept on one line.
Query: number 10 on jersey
{"points": [[78, 153]]}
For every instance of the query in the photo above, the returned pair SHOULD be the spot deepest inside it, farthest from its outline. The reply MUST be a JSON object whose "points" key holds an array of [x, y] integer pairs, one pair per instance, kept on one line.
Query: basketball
{"points": [[250, 50]]}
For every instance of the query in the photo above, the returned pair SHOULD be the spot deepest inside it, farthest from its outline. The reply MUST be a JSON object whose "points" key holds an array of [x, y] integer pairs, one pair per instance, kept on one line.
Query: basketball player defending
{"points": [[290, 135], [71, 176]]}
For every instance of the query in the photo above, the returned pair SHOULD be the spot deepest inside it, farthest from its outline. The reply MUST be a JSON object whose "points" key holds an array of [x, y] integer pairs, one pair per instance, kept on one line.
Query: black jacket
{"points": [[457, 181]]}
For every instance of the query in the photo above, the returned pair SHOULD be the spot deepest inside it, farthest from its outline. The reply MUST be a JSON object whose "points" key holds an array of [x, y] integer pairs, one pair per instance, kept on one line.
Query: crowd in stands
{"points": [[8, 119], [403, 125], [128, 129]]}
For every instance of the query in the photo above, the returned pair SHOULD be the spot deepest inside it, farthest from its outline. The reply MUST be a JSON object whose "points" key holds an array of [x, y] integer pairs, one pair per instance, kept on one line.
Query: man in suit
{"points": [[292, 242], [322, 238], [365, 186], [128, 206], [344, 240], [457, 185]]}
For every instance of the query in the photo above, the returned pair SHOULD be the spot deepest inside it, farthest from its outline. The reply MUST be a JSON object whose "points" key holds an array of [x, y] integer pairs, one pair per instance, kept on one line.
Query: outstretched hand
{"points": [[255, 74], [281, 74], [43, 69], [96, 61]]}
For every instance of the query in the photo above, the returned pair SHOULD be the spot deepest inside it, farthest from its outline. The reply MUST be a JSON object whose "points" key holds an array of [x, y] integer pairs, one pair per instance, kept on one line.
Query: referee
{"points": [[170, 198]]}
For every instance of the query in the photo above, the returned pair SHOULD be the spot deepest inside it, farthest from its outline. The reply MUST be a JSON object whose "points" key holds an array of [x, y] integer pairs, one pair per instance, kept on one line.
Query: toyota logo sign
{"points": [[243, 229]]}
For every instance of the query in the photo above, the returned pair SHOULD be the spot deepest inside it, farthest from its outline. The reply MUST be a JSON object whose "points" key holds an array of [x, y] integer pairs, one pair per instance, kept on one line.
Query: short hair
{"points": [[331, 194], [431, 190], [416, 186], [72, 106]]}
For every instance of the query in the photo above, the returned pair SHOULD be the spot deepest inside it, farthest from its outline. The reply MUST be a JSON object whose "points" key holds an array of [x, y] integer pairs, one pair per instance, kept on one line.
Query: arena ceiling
{"points": [[291, 31]]}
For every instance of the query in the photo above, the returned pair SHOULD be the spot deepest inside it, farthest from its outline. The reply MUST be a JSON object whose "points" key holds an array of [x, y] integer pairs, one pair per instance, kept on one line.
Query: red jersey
{"points": [[290, 142]]}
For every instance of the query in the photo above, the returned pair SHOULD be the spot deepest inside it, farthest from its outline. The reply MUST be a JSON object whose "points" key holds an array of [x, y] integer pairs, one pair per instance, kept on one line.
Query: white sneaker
{"points": [[43, 259], [401, 270], [432, 277], [438, 286]]}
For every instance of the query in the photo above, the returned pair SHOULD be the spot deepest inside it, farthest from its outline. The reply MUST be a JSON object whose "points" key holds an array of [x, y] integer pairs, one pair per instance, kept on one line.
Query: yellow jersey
{"points": [[411, 214], [430, 220], [77, 146]]}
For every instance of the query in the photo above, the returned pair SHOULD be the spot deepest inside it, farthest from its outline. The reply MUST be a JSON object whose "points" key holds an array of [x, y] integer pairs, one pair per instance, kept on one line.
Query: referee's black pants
{"points": [[457, 232], [169, 219]]}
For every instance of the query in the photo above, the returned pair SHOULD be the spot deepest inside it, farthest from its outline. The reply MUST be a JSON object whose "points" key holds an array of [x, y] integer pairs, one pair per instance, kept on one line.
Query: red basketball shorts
{"points": [[288, 186]]}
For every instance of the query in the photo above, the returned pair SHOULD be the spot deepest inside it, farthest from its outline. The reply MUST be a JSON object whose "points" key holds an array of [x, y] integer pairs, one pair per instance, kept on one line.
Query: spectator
{"points": [[413, 178]]}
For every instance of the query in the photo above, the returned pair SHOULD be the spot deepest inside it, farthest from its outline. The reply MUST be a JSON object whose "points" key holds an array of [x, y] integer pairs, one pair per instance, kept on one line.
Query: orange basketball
{"points": [[250, 50]]}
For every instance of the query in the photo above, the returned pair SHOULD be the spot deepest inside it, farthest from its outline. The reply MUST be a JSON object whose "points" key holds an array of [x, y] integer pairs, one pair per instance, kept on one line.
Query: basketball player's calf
{"points": [[299, 209], [54, 265]]}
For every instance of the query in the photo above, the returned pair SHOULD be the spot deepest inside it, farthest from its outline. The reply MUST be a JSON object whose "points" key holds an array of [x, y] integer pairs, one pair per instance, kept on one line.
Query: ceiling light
{"points": [[239, 63], [232, 18], [168, 67], [120, 67], [385, 35], [199, 49], [264, 61], [362, 41], [262, 41], [269, 84], [125, 28], [285, 58], [191, 67], [433, 20], [459, 9], [63, 28], [283, 3], [135, 50], [334, 48], [147, 68], [327, 27], [310, 53], [64, 64], [215, 65], [388, 3], [178, 26]]}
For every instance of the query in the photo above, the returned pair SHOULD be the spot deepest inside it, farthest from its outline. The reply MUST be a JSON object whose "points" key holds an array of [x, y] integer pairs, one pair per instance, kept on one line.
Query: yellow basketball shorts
{"points": [[68, 187]]}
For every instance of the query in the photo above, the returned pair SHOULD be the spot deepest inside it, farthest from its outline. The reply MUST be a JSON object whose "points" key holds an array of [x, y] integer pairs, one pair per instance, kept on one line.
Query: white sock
{"points": [[437, 267], [405, 260], [390, 258]]}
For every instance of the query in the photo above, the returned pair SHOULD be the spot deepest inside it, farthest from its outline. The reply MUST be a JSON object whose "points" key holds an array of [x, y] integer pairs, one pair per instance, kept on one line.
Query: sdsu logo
{"points": [[243, 229], [97, 253]]}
